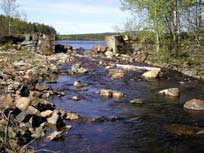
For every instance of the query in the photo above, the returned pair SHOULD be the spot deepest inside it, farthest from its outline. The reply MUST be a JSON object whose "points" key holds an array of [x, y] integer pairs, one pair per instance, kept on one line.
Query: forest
{"points": [[19, 26]]}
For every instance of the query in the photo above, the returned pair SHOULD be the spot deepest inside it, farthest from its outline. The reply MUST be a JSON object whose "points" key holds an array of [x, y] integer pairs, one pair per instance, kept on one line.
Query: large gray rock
{"points": [[53, 119], [21, 117], [195, 104], [32, 111], [72, 116], [174, 92], [111, 93], [56, 119], [152, 74], [55, 135], [78, 84], [46, 113], [77, 68]]}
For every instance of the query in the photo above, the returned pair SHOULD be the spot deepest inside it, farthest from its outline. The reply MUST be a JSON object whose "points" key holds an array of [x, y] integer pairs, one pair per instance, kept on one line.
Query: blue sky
{"points": [[75, 16]]}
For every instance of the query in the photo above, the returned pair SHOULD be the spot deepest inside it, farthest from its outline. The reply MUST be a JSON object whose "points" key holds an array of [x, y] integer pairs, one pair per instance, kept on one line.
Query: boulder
{"points": [[109, 54], [105, 93], [45, 95], [99, 49], [21, 117], [111, 93], [152, 74], [77, 84], [55, 135], [128, 67], [41, 86], [24, 91], [174, 92], [77, 68], [72, 116], [75, 98], [117, 94], [116, 73], [22, 103], [60, 48], [32, 111], [54, 118], [195, 104], [200, 132], [136, 101], [46, 113]]}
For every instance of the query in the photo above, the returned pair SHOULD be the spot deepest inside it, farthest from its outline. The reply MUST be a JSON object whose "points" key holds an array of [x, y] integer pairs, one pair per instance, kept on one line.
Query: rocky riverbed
{"points": [[25, 111], [29, 82]]}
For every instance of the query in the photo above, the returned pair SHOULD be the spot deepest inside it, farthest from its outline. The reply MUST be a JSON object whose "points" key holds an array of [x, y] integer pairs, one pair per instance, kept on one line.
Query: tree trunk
{"points": [[196, 14], [200, 14], [156, 26], [175, 21], [157, 42], [9, 25], [189, 18]]}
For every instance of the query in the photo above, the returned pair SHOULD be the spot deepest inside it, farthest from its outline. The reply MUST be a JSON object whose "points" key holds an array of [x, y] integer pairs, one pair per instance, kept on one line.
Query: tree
{"points": [[9, 8], [169, 17], [154, 15]]}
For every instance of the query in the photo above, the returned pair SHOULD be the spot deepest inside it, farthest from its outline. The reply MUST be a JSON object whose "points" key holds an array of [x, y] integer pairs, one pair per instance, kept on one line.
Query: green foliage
{"points": [[23, 27], [34, 63], [25, 52], [146, 37], [171, 18], [6, 46], [46, 51]]}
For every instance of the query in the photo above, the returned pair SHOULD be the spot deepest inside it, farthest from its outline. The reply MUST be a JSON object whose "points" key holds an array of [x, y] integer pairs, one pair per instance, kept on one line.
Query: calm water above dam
{"points": [[140, 128], [87, 45]]}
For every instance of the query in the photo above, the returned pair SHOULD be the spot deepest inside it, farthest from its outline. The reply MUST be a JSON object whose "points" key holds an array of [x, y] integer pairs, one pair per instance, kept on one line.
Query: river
{"points": [[140, 127]]}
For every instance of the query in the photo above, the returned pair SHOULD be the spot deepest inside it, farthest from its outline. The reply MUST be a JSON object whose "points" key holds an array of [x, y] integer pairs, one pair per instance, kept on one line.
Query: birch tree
{"points": [[9, 8], [154, 15]]}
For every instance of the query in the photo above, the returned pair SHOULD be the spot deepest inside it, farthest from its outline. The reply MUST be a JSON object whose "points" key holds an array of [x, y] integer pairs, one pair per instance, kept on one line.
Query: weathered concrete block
{"points": [[115, 42]]}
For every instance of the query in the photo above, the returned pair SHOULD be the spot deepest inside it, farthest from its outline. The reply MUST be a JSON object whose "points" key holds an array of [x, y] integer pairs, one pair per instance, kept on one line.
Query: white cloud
{"points": [[78, 28], [72, 16]]}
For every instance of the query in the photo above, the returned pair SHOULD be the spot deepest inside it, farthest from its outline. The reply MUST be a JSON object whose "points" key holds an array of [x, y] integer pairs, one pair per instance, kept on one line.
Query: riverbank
{"points": [[26, 112], [187, 60]]}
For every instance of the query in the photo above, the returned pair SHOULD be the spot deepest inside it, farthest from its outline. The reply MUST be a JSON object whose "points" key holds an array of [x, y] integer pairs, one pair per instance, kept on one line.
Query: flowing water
{"points": [[140, 127]]}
